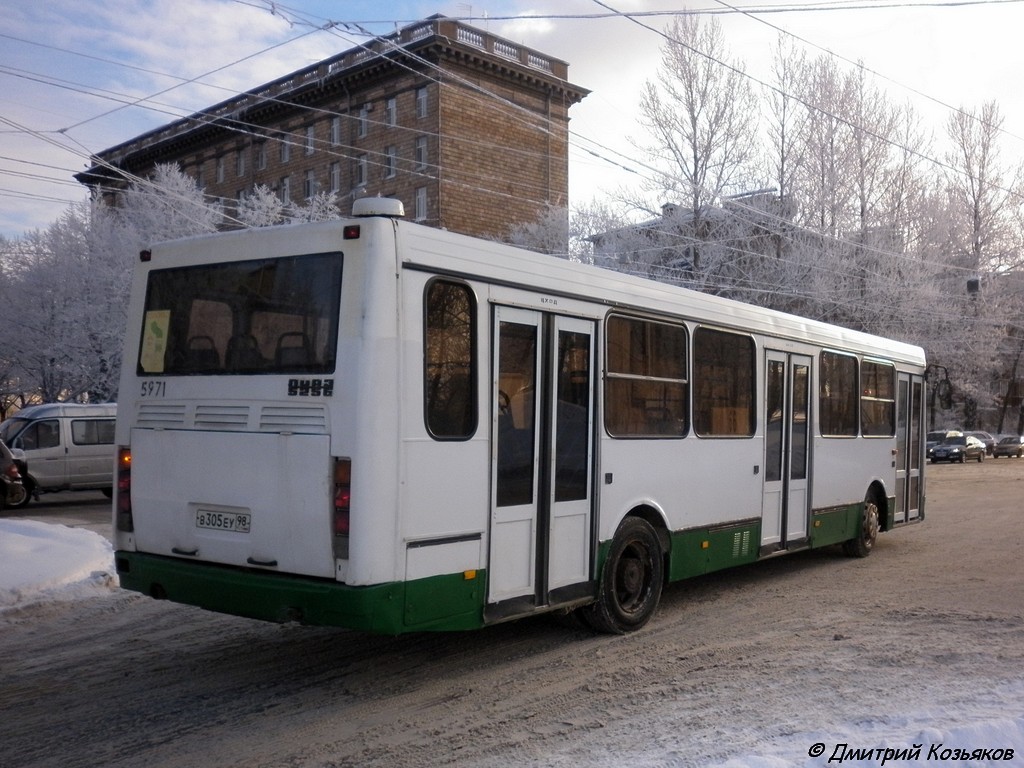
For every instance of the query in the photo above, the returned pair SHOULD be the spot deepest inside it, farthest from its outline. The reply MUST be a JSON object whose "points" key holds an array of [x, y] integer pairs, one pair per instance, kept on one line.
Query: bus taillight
{"points": [[124, 491], [342, 501]]}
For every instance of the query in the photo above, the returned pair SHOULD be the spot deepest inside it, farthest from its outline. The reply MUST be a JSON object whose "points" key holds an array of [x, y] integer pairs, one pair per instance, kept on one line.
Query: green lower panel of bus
{"points": [[449, 602], [835, 524], [700, 551]]}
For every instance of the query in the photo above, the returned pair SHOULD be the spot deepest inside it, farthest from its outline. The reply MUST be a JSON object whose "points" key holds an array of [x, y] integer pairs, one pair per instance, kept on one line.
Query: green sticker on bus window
{"points": [[154, 340]]}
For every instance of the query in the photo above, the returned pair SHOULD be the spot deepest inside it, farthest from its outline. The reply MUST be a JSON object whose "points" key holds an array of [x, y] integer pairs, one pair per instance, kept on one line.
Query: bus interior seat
{"points": [[293, 349], [243, 352], [202, 354]]}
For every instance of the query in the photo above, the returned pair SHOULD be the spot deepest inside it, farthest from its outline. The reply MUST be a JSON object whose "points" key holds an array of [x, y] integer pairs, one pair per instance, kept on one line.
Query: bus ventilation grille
{"points": [[160, 416], [223, 417], [741, 544]]}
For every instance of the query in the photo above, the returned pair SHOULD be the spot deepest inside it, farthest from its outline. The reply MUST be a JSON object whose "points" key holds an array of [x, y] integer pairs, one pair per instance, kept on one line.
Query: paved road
{"points": [[77, 509], [923, 642]]}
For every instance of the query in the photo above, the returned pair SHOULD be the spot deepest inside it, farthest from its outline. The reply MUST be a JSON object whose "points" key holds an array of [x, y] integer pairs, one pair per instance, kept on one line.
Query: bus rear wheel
{"points": [[630, 582], [862, 544]]}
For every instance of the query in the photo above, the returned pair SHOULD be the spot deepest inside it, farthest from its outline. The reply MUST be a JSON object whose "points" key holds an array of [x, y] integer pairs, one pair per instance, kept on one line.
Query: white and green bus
{"points": [[378, 425]]}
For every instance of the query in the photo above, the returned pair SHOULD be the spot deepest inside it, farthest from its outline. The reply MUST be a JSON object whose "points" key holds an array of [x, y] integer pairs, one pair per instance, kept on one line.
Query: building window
{"points": [[285, 190], [421, 152], [645, 385], [309, 188], [335, 131], [363, 120], [285, 150], [335, 175], [199, 177], [390, 162], [310, 138], [391, 112], [240, 163], [220, 169], [242, 195], [421, 204], [361, 167], [260, 152], [421, 102]]}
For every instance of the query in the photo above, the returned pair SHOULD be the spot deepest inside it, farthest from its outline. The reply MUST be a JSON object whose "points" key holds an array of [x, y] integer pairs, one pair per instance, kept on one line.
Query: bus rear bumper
{"points": [[448, 602]]}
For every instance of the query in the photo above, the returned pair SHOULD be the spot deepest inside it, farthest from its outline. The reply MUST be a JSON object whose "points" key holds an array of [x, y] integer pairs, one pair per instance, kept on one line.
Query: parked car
{"points": [[986, 438], [1009, 446], [938, 437], [958, 448], [12, 490], [67, 446]]}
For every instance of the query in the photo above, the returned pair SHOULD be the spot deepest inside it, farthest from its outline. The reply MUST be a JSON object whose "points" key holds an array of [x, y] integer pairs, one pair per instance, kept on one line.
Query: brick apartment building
{"points": [[468, 130]]}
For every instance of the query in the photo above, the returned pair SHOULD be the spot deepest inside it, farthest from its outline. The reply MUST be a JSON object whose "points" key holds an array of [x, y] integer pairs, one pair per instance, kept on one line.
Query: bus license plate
{"points": [[223, 521]]}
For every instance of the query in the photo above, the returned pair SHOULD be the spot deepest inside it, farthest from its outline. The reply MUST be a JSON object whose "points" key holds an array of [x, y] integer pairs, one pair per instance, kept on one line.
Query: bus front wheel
{"points": [[630, 582], [862, 544]]}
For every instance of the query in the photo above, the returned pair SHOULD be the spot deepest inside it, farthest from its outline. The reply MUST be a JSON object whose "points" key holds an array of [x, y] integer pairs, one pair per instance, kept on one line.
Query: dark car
{"points": [[934, 438], [12, 491], [986, 438], [1009, 446], [958, 448]]}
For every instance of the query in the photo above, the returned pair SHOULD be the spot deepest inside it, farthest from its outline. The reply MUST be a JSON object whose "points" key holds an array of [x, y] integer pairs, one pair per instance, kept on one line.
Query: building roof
{"points": [[428, 40]]}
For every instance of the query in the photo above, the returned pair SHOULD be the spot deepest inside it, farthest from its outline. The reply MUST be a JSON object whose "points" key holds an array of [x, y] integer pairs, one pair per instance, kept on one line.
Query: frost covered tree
{"points": [[701, 113], [785, 120], [983, 247], [261, 208], [67, 297], [323, 206], [548, 234], [984, 194], [65, 288], [167, 205]]}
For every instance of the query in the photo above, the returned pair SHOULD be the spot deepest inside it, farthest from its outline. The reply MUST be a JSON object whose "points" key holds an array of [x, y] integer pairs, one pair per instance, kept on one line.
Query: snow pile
{"points": [[40, 562]]}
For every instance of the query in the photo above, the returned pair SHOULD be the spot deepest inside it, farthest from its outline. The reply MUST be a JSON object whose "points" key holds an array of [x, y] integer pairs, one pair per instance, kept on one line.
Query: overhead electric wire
{"points": [[333, 27]]}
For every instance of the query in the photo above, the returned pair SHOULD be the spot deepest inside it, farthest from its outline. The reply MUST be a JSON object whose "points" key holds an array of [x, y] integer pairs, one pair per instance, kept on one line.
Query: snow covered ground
{"points": [[43, 562], [46, 563]]}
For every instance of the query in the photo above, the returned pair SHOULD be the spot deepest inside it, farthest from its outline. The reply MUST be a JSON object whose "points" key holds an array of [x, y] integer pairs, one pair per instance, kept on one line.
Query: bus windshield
{"points": [[263, 316]]}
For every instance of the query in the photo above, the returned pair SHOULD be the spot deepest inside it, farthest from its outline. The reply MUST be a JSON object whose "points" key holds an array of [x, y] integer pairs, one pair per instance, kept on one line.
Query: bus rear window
{"points": [[252, 317]]}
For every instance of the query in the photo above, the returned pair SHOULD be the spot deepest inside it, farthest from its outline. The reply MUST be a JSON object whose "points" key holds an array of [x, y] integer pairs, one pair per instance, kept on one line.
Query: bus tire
{"points": [[631, 580], [862, 544]]}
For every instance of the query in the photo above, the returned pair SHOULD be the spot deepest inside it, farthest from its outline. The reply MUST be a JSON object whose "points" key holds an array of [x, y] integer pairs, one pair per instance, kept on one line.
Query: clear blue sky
{"points": [[79, 77]]}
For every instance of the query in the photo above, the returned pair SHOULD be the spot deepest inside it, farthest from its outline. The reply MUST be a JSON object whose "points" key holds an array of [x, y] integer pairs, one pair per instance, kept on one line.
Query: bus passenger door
{"points": [[909, 421], [542, 466], [786, 500]]}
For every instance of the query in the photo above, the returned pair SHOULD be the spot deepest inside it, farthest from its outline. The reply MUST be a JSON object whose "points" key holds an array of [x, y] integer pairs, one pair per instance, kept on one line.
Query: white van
{"points": [[67, 446]]}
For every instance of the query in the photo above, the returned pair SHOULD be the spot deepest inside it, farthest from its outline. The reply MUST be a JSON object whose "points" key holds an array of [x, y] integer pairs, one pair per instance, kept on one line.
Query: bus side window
{"points": [[723, 400], [450, 365], [877, 399], [645, 392], [837, 389]]}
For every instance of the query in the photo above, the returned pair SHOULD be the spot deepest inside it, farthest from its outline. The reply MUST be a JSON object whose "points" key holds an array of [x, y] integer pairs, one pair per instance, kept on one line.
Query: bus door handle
{"points": [[188, 552], [266, 563]]}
